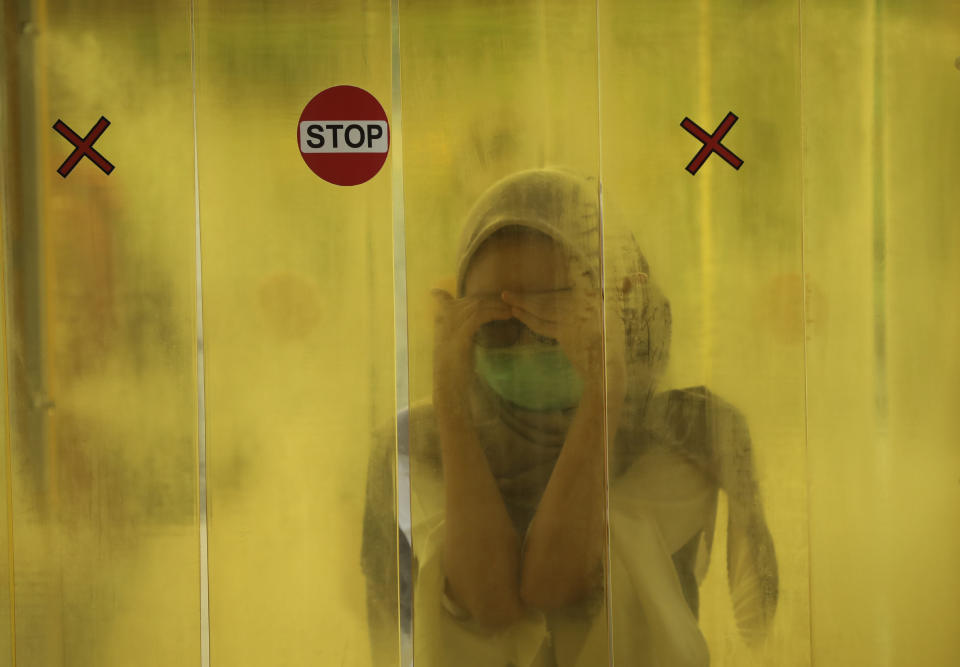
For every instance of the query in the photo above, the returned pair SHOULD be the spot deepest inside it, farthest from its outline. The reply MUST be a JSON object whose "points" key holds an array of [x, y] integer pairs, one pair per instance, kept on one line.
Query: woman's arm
{"points": [[565, 540], [751, 558], [481, 546]]}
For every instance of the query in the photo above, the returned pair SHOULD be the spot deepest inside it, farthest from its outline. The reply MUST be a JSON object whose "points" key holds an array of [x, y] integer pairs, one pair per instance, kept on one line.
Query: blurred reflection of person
{"points": [[539, 389]]}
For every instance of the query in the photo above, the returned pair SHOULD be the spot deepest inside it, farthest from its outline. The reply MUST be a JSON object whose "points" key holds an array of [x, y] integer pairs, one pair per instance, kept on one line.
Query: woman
{"points": [[538, 389]]}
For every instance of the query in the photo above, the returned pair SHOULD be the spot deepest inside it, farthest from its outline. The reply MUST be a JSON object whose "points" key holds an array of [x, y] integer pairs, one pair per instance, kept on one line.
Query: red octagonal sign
{"points": [[343, 135]]}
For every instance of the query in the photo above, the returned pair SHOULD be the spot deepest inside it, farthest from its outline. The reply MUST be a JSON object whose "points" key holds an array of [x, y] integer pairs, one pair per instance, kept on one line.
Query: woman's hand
{"points": [[573, 318], [481, 550], [455, 323]]}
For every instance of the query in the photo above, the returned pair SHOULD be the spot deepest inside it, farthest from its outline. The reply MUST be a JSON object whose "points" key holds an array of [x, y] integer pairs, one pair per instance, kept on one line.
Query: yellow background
{"points": [[815, 289]]}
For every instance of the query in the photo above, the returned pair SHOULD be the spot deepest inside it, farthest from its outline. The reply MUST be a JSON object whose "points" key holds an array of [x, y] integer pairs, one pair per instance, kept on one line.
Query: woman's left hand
{"points": [[574, 318]]}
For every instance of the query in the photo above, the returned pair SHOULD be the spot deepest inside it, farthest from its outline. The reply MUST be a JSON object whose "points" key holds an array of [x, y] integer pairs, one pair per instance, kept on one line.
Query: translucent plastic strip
{"points": [[404, 555], [103, 496], [201, 402], [881, 245], [492, 93], [722, 250], [608, 562], [804, 310], [9, 631], [298, 343]]}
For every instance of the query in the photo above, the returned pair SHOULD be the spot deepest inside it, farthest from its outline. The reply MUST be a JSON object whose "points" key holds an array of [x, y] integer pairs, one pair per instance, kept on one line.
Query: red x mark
{"points": [[84, 147], [711, 142]]}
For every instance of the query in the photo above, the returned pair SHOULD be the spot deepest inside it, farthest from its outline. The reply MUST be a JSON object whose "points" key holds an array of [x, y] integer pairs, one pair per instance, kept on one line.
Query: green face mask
{"points": [[535, 377]]}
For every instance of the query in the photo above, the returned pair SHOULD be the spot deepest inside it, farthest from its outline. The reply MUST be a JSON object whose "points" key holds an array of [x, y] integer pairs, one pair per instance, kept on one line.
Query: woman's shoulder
{"points": [[697, 402], [695, 418]]}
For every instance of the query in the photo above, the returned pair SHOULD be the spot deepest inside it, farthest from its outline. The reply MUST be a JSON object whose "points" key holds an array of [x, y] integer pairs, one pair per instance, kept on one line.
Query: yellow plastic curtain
{"points": [[205, 352]]}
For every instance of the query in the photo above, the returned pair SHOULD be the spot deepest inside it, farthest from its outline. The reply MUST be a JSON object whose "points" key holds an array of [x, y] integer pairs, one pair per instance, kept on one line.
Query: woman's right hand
{"points": [[455, 323]]}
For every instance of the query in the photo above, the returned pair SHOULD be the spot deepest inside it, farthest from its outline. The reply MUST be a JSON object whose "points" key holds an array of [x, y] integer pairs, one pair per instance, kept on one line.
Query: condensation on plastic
{"points": [[488, 90], [725, 248], [100, 337], [882, 256], [298, 337], [6, 618], [814, 289]]}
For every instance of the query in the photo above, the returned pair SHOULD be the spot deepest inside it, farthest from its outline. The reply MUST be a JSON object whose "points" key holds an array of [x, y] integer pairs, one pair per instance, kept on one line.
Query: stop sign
{"points": [[343, 135]]}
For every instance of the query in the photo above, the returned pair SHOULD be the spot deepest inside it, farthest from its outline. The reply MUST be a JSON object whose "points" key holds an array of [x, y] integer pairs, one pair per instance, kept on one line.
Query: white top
{"points": [[656, 506]]}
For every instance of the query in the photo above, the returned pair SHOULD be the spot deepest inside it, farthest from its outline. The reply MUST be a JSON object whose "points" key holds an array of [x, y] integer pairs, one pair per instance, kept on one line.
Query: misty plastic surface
{"points": [[725, 246], [814, 289], [298, 333], [108, 533], [99, 295], [882, 253], [486, 92]]}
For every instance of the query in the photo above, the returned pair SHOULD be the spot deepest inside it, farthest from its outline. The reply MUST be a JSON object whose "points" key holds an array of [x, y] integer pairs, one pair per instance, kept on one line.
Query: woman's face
{"points": [[526, 264], [521, 264]]}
